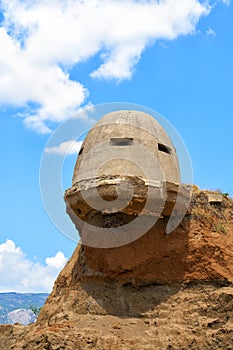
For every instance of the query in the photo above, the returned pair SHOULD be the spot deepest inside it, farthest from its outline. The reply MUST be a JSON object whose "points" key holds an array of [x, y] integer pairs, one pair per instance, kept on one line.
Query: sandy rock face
{"points": [[191, 317], [161, 291]]}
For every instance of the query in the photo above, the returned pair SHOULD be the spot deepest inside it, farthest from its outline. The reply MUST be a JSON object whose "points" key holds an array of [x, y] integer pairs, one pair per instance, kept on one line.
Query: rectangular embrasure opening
{"points": [[121, 141], [81, 151], [163, 148]]}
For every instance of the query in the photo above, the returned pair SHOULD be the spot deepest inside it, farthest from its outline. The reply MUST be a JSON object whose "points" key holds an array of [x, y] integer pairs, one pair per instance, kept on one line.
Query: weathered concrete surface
{"points": [[127, 168], [215, 197], [161, 203], [127, 143]]}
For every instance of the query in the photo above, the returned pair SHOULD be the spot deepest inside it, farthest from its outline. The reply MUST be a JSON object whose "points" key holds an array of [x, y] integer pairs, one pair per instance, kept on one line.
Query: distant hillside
{"points": [[14, 301]]}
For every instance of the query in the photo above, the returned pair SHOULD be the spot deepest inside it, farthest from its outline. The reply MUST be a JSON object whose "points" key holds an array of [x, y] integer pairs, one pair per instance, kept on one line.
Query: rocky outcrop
{"points": [[22, 316], [162, 291], [198, 249]]}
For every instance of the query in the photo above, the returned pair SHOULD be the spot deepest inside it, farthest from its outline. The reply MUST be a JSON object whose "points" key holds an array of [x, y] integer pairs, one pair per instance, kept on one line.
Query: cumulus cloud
{"points": [[58, 261], [19, 274], [40, 41], [68, 147]]}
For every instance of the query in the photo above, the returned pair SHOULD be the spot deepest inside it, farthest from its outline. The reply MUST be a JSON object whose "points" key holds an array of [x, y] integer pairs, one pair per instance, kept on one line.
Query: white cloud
{"points": [[68, 147], [19, 274], [41, 40], [58, 261], [210, 32]]}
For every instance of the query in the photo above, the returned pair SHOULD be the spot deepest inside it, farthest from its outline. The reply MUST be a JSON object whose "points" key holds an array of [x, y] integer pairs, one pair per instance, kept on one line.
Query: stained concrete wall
{"points": [[130, 143]]}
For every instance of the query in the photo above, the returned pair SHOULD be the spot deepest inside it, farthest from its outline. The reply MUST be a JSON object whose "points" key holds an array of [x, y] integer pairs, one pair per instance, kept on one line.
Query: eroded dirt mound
{"points": [[160, 292], [200, 248], [181, 317]]}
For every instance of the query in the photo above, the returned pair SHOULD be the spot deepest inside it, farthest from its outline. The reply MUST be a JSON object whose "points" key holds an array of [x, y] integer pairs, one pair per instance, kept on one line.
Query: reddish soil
{"points": [[160, 292]]}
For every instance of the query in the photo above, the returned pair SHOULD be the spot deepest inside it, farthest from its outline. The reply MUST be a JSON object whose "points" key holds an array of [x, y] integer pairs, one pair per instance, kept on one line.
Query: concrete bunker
{"points": [[127, 150]]}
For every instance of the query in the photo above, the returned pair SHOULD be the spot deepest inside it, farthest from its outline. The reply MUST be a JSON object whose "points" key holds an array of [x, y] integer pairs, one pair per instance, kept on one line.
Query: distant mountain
{"points": [[19, 304]]}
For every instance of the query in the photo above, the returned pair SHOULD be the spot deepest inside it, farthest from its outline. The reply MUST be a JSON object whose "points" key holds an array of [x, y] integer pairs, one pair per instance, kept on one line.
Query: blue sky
{"points": [[172, 58]]}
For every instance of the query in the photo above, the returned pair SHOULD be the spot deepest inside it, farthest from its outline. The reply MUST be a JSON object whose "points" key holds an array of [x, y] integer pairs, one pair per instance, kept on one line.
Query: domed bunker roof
{"points": [[127, 143], [137, 119]]}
